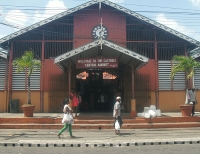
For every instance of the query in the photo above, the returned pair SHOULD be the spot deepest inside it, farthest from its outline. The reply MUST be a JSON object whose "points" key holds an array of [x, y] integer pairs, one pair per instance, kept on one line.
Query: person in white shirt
{"points": [[192, 98], [68, 124], [117, 114]]}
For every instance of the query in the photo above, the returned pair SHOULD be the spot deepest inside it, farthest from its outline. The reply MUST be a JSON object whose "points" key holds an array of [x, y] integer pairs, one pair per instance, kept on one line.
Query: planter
{"points": [[28, 110], [186, 110]]}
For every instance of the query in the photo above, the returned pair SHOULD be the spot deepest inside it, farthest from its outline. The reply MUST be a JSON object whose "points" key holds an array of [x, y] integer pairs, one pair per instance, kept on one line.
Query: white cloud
{"points": [[17, 17], [117, 1], [5, 30], [1, 10], [53, 7], [196, 3], [176, 26], [2, 35], [20, 19]]}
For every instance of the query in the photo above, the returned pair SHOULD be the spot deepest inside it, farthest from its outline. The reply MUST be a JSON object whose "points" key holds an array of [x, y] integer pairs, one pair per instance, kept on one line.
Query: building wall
{"points": [[197, 107], [23, 95], [169, 101], [55, 86], [84, 21], [2, 101], [150, 69], [49, 70], [46, 102], [113, 20], [153, 98]]}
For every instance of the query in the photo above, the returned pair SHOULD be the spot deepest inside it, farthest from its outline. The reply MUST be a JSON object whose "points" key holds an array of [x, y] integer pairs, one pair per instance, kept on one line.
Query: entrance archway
{"points": [[98, 89], [91, 56]]}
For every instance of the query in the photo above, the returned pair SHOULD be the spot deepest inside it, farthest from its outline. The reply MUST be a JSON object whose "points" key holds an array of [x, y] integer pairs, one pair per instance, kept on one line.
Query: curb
{"points": [[115, 144]]}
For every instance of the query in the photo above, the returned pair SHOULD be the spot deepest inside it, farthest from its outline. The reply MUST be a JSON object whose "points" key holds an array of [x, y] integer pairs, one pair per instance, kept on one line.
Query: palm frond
{"points": [[183, 64], [27, 64]]}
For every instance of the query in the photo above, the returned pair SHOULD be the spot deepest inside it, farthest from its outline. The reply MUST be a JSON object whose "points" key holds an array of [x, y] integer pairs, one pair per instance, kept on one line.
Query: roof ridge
{"points": [[109, 3]]}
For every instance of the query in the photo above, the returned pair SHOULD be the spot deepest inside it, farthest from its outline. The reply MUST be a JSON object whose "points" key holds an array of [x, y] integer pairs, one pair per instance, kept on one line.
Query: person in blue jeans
{"points": [[66, 110]]}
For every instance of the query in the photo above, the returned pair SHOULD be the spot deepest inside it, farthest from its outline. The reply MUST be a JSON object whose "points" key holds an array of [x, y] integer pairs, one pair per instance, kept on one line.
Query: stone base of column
{"points": [[133, 114], [70, 103]]}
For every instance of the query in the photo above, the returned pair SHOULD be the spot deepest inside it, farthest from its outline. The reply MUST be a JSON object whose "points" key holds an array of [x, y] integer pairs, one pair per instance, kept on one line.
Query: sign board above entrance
{"points": [[97, 63]]}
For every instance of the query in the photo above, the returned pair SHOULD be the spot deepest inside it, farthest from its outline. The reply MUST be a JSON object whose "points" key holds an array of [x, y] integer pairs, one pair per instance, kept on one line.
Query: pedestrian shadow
{"points": [[14, 136], [76, 137], [127, 134]]}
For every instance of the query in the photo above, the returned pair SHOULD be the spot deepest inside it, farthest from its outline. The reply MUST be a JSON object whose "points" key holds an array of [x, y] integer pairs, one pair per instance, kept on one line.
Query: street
{"points": [[140, 141], [146, 149]]}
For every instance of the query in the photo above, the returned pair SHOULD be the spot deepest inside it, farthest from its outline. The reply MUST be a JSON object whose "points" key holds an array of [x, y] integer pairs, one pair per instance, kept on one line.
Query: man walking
{"points": [[192, 98], [117, 115]]}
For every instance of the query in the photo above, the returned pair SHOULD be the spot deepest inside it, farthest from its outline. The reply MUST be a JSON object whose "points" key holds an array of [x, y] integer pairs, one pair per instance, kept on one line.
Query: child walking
{"points": [[75, 101], [68, 124]]}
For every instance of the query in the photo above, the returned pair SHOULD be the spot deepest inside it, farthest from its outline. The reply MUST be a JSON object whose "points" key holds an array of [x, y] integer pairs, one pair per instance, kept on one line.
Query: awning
{"points": [[3, 53], [93, 50], [195, 53]]}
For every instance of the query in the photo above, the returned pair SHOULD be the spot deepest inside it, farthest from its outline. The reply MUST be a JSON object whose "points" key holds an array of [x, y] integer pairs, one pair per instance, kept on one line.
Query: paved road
{"points": [[98, 138], [147, 149]]}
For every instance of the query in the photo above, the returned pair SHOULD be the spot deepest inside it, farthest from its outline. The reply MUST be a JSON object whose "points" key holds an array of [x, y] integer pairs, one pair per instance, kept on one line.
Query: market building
{"points": [[98, 48]]}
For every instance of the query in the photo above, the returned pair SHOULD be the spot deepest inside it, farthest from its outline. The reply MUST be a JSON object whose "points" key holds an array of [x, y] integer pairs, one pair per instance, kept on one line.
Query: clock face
{"points": [[97, 32]]}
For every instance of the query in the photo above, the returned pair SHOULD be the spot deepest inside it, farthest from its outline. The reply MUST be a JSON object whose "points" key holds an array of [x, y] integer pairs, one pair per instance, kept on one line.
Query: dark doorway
{"points": [[98, 90]]}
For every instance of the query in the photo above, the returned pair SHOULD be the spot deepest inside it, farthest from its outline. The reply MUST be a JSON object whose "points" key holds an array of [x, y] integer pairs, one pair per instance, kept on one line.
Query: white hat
{"points": [[118, 97]]}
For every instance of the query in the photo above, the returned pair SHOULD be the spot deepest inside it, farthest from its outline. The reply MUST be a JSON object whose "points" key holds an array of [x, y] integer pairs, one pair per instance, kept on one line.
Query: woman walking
{"points": [[67, 119]]}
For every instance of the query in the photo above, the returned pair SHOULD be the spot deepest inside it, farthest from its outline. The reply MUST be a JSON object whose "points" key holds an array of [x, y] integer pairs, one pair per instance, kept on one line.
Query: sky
{"points": [[180, 15]]}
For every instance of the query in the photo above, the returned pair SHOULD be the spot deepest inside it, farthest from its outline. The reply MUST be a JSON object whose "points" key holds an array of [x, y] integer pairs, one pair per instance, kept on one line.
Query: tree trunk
{"points": [[186, 92], [29, 91]]}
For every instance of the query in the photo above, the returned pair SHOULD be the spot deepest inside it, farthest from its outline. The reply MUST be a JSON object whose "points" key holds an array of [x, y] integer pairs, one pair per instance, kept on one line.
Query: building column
{"points": [[5, 104], [156, 74], [133, 102], [69, 82], [9, 94], [42, 78]]}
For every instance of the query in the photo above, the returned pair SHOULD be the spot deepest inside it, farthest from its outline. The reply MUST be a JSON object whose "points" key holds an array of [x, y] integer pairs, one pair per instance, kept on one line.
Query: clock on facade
{"points": [[97, 32]]}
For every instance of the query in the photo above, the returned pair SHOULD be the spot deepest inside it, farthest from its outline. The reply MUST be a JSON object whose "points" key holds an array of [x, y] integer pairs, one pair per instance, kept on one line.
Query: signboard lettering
{"points": [[97, 63]]}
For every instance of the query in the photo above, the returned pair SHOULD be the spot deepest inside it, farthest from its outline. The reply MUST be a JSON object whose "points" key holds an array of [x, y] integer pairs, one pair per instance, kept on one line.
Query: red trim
{"points": [[10, 68], [156, 41], [43, 41], [41, 79]]}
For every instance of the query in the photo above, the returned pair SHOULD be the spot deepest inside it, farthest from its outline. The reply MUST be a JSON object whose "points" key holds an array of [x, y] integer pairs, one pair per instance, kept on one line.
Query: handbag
{"points": [[117, 126], [67, 119]]}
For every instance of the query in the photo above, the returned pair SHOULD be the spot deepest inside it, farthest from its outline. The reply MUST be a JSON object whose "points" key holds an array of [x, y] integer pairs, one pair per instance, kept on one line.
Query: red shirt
{"points": [[74, 99]]}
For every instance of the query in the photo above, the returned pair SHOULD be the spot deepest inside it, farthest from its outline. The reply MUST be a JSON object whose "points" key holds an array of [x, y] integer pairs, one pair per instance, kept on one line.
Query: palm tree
{"points": [[27, 64], [184, 64]]}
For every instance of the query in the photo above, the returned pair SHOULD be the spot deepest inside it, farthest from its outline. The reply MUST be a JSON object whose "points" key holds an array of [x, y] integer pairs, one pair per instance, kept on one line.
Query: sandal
{"points": [[58, 136], [72, 136]]}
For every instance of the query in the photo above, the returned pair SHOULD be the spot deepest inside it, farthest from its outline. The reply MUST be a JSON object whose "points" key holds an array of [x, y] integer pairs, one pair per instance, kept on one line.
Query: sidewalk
{"points": [[60, 115], [98, 138], [97, 121]]}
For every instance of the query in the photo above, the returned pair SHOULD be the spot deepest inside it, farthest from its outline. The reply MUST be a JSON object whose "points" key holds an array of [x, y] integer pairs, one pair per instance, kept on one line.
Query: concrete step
{"points": [[103, 120], [99, 122], [102, 126]]}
